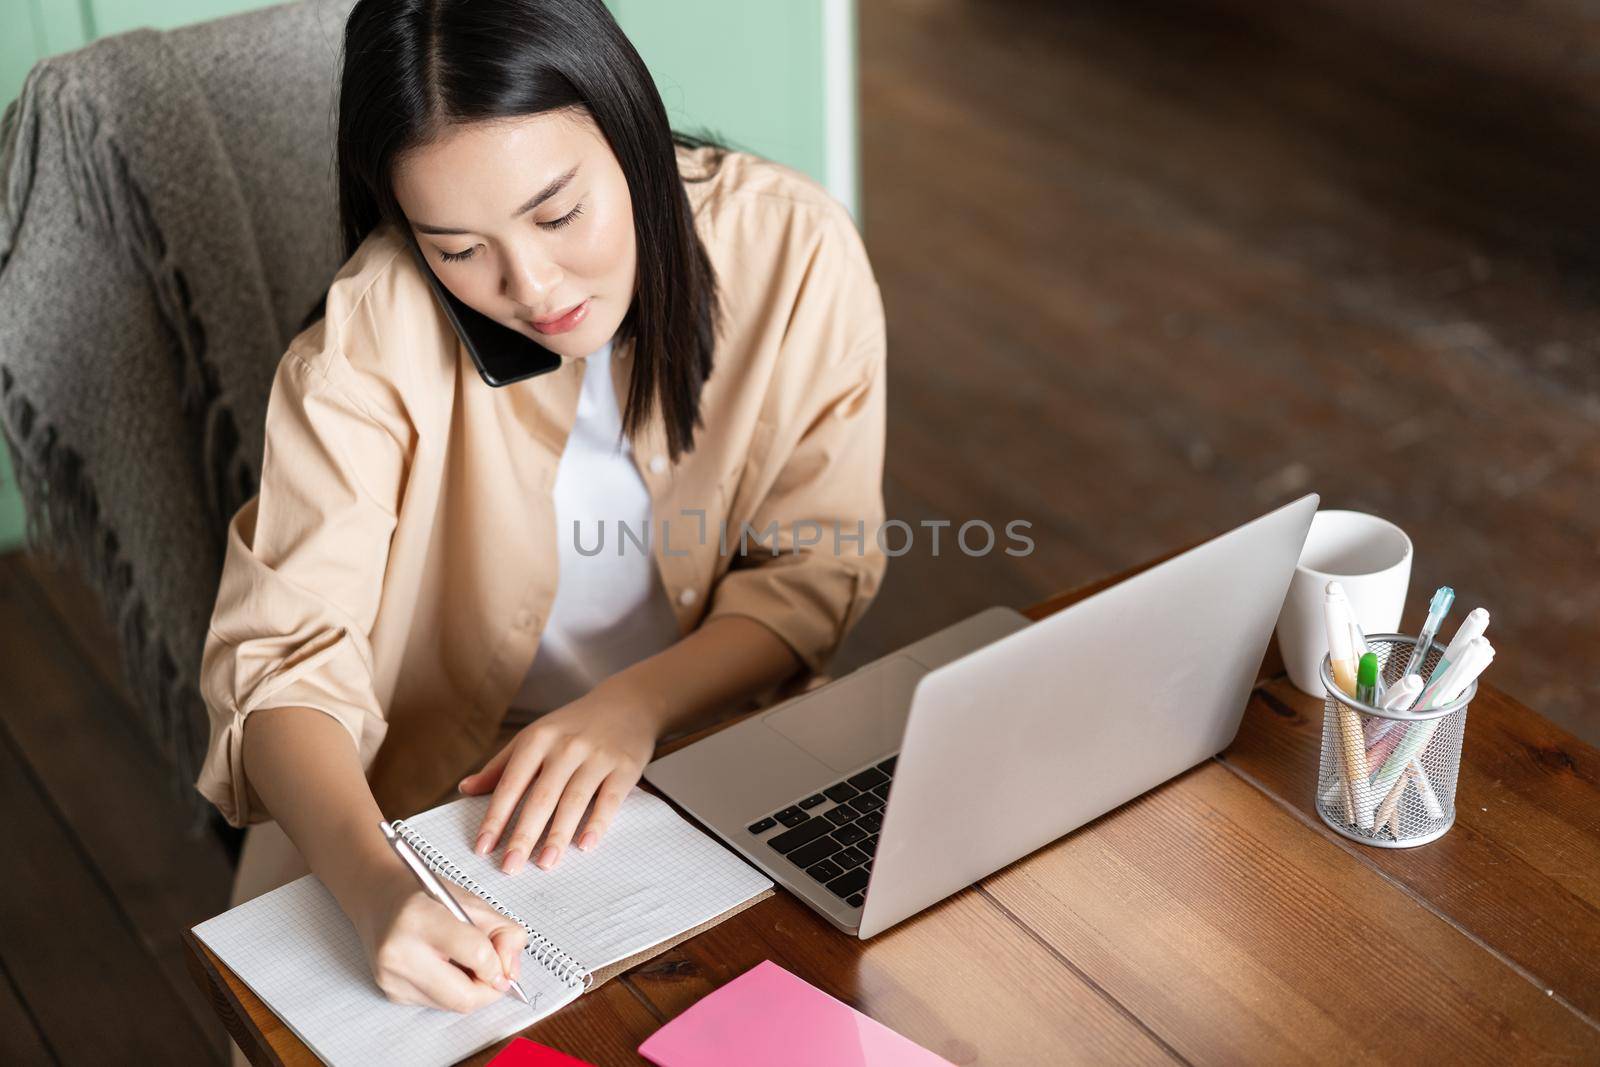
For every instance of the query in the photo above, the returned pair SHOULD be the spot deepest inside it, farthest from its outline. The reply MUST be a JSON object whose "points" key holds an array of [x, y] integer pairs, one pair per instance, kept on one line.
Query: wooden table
{"points": [[1214, 919]]}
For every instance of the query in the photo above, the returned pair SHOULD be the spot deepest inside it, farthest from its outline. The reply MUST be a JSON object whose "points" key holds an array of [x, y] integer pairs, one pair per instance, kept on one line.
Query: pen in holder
{"points": [[1388, 777]]}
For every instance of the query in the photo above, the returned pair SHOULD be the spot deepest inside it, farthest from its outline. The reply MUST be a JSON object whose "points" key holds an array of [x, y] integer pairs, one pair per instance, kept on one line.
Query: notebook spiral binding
{"points": [[540, 947]]}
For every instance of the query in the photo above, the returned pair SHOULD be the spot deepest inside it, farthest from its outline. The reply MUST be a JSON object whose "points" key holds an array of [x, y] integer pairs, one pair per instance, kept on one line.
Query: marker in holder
{"points": [[1399, 790]]}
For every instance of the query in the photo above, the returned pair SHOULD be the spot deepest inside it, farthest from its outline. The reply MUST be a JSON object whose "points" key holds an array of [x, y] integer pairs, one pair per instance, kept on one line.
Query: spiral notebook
{"points": [[653, 881]]}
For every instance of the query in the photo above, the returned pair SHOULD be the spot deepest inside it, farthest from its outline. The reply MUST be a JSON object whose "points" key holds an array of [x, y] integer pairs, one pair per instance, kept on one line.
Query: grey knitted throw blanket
{"points": [[167, 218]]}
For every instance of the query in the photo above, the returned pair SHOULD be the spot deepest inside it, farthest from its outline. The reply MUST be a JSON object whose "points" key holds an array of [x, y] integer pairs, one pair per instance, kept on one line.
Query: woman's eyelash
{"points": [[566, 220], [554, 224]]}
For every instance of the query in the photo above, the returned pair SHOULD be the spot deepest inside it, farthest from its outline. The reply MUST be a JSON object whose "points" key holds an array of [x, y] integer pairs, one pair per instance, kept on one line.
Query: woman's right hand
{"points": [[421, 954], [310, 778]]}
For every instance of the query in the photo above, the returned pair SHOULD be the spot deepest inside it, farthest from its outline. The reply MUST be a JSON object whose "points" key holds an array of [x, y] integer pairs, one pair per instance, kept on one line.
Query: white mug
{"points": [[1371, 558]]}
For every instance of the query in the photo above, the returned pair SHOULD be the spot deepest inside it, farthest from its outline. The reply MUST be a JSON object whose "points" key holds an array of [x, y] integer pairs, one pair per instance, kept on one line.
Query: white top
{"points": [[610, 609]]}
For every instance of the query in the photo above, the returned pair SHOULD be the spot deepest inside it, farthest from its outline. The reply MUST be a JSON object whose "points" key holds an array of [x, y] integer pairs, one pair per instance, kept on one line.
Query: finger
{"points": [[413, 969], [471, 948], [481, 780], [574, 801], [542, 796], [509, 939], [612, 792], [444, 985], [508, 790], [509, 942]]}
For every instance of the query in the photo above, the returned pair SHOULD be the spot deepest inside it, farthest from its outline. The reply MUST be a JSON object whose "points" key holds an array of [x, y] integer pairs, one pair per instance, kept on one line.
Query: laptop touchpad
{"points": [[862, 716]]}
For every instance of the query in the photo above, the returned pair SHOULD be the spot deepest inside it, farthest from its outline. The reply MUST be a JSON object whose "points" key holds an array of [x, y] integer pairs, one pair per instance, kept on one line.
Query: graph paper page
{"points": [[651, 877], [296, 950]]}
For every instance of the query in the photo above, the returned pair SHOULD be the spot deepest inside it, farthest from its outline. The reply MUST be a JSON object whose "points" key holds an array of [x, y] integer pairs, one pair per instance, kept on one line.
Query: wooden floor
{"points": [[101, 877], [1149, 270]]}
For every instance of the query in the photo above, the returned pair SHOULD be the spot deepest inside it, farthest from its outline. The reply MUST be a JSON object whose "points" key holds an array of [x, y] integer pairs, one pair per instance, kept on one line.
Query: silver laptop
{"points": [[886, 790]]}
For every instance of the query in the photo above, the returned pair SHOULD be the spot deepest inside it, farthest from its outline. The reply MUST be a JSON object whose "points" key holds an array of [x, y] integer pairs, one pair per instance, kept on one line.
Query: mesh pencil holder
{"points": [[1388, 778]]}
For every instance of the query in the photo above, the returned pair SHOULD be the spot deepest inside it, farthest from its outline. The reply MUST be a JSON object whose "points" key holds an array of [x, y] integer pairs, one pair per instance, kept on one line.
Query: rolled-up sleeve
{"points": [[303, 572], [824, 508]]}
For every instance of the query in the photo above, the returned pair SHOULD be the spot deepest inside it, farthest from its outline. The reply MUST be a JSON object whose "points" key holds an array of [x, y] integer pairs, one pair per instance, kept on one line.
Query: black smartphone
{"points": [[501, 354]]}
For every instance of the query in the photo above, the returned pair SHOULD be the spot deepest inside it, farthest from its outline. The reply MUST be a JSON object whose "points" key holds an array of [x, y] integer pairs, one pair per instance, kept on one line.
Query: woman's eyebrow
{"points": [[528, 205]]}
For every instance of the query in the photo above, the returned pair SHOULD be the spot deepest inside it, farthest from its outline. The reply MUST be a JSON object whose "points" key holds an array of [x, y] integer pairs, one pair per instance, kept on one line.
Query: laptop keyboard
{"points": [[832, 835]]}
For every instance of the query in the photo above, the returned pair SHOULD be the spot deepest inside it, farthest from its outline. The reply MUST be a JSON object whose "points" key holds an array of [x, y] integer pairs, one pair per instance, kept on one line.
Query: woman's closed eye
{"points": [[554, 224], [565, 220]]}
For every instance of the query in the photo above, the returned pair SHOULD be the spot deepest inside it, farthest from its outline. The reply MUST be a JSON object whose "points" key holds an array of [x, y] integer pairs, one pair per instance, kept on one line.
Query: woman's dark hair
{"points": [[414, 67]]}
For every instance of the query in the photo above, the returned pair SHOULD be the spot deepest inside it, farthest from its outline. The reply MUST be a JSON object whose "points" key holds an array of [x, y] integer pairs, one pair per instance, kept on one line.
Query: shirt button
{"points": [[686, 597], [658, 464]]}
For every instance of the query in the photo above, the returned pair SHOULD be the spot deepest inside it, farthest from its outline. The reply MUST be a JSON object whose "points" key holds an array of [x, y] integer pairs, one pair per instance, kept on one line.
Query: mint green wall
{"points": [[24, 40], [12, 517], [34, 28], [120, 16], [749, 71]]}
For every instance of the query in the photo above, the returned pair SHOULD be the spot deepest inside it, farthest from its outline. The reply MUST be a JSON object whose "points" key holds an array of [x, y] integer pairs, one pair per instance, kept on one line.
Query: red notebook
{"points": [[524, 1053]]}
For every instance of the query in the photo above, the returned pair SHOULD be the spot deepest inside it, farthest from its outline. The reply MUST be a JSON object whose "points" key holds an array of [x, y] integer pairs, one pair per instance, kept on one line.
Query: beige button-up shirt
{"points": [[397, 565]]}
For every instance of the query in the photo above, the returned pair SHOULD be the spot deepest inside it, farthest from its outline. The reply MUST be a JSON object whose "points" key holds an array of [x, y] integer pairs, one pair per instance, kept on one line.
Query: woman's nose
{"points": [[530, 281]]}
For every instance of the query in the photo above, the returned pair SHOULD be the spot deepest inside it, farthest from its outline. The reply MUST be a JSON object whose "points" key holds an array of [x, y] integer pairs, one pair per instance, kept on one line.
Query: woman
{"points": [[414, 592]]}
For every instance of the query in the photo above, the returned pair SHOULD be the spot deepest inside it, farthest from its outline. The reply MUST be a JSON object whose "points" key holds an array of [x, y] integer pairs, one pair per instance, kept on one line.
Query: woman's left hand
{"points": [[594, 748]]}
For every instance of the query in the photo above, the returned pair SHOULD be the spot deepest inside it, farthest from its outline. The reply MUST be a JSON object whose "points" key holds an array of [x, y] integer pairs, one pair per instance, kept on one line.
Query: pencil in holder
{"points": [[1388, 777]]}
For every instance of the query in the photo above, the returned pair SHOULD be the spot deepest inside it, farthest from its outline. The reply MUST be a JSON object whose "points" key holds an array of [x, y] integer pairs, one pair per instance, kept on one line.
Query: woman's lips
{"points": [[567, 320]]}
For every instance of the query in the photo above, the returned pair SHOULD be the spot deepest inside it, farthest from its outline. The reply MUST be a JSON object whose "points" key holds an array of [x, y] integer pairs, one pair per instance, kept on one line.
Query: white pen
{"points": [[1403, 694], [1352, 745], [1454, 679], [1358, 637], [1476, 622], [432, 886], [1473, 662], [1341, 649]]}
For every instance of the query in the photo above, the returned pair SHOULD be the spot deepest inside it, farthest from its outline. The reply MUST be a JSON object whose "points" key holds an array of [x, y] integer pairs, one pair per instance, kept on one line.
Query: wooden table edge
{"points": [[212, 976]]}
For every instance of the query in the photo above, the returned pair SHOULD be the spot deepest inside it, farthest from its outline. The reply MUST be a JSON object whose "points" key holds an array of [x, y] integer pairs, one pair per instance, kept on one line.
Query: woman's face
{"points": [[527, 220]]}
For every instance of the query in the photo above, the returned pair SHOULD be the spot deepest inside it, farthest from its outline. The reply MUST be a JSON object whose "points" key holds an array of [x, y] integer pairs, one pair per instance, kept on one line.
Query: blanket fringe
{"points": [[64, 525]]}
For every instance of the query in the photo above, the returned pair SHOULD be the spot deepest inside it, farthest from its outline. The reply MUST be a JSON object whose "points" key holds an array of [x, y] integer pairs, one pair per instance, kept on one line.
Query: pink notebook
{"points": [[770, 1017]]}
